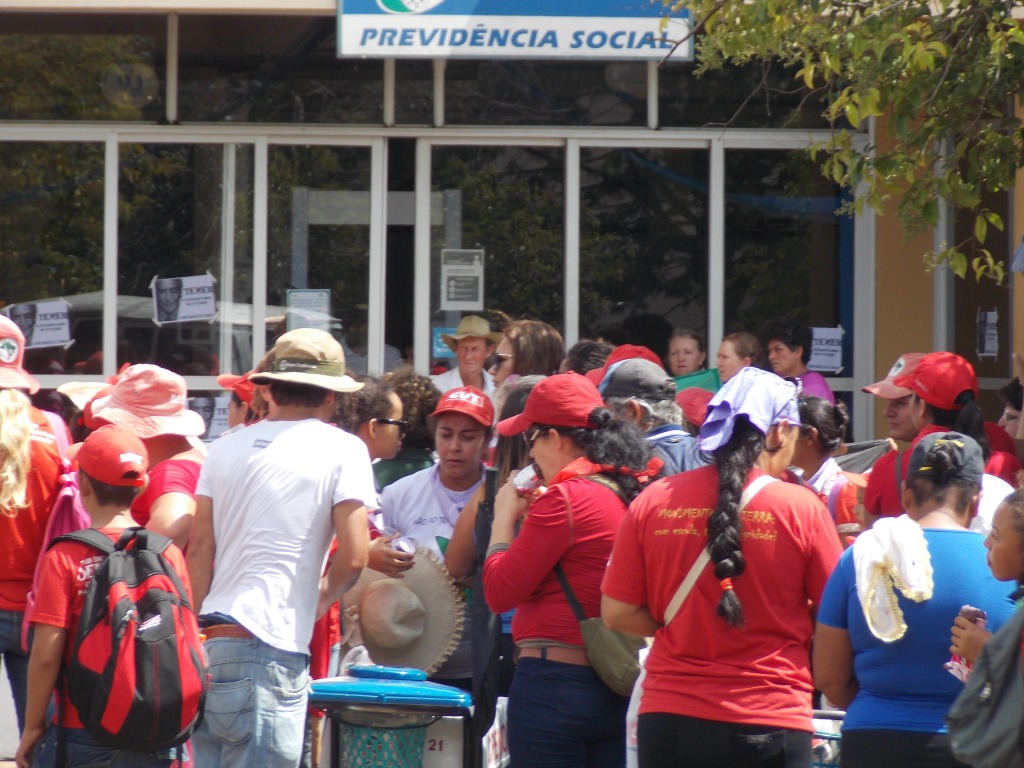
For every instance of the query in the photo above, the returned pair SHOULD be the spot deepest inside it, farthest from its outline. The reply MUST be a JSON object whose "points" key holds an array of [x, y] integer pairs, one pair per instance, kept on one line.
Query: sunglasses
{"points": [[531, 437], [402, 425], [498, 359]]}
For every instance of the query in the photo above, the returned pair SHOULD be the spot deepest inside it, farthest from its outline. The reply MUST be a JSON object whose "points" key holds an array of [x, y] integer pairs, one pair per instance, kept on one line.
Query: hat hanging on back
{"points": [[694, 402], [905, 364], [471, 327], [967, 462], [641, 379], [112, 455], [562, 400], [469, 401], [308, 356], [940, 379], [620, 354], [764, 398], [12, 355], [415, 621], [148, 400]]}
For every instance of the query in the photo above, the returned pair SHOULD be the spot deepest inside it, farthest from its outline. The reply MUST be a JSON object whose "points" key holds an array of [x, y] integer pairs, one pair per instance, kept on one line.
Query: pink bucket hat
{"points": [[12, 353], [149, 401]]}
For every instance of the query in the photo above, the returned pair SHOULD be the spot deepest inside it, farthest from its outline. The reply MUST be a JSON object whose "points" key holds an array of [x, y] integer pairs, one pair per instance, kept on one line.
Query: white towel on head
{"points": [[892, 555]]}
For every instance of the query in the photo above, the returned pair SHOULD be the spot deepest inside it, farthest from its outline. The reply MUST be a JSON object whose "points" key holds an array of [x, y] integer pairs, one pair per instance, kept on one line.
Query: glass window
{"points": [[787, 253], [505, 204], [184, 277], [51, 251], [82, 67], [643, 244], [739, 97], [508, 92], [273, 69], [414, 92], [319, 240]]}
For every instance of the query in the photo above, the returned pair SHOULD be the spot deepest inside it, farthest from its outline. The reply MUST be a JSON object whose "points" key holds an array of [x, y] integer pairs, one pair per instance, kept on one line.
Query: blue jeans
{"points": [[255, 709], [562, 715], [15, 659], [82, 751]]}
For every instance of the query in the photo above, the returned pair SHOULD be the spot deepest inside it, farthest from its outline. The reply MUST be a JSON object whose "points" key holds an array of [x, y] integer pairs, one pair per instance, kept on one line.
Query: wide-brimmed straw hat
{"points": [[470, 327], [12, 354], [81, 392], [415, 621], [149, 400], [308, 356]]}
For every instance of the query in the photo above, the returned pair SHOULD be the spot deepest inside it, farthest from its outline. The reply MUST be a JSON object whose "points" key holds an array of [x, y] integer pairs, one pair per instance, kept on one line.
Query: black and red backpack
{"points": [[136, 675]]}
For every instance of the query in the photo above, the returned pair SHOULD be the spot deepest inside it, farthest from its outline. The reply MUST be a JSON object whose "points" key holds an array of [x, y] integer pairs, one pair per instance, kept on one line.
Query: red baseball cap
{"points": [[905, 364], [562, 400], [939, 379], [694, 402], [468, 401], [112, 455], [12, 354], [618, 355], [240, 385]]}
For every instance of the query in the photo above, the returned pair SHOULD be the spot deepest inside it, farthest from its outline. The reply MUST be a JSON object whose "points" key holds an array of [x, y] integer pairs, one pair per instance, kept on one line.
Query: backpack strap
{"points": [[899, 473], [91, 537]]}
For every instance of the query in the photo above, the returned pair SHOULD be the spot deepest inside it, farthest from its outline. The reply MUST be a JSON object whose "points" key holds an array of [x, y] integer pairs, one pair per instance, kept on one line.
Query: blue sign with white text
{"points": [[540, 29]]}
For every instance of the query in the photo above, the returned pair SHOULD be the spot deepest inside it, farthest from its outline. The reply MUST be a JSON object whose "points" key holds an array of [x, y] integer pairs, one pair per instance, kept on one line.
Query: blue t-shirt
{"points": [[903, 685]]}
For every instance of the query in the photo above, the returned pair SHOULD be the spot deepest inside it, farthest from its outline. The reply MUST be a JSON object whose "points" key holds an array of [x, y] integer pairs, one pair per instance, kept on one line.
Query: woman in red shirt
{"points": [[728, 678], [560, 712]]}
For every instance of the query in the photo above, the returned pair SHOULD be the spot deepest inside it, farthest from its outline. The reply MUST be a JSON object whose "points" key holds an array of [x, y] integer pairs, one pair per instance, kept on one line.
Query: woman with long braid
{"points": [[728, 677]]}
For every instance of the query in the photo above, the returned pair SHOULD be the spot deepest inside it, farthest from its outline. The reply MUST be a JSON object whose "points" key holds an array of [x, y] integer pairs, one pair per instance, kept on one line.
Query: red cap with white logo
{"points": [[468, 401]]}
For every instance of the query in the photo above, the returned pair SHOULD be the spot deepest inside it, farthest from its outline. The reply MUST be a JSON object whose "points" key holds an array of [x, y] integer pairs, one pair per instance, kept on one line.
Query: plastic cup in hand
{"points": [[405, 544]]}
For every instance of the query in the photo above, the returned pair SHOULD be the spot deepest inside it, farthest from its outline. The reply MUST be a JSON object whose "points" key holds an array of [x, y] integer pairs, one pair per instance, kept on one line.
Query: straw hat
{"points": [[415, 621], [471, 327], [81, 392], [149, 400], [308, 356]]}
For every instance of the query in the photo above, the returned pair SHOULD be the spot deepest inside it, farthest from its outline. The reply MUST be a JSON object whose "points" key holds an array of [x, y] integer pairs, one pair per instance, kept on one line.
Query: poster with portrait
{"points": [[44, 323], [184, 299], [827, 350], [214, 410]]}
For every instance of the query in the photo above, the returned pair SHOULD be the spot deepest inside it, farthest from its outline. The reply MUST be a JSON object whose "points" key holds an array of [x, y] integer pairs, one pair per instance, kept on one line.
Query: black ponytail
{"points": [[967, 420], [734, 461]]}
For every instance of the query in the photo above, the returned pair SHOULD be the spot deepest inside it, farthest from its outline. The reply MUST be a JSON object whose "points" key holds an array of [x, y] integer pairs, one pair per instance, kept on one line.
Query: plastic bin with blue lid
{"points": [[382, 715]]}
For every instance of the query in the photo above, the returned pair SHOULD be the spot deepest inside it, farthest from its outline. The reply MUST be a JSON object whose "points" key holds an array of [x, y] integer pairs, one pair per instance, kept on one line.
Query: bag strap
{"points": [[705, 555], [899, 473], [577, 609], [608, 483]]}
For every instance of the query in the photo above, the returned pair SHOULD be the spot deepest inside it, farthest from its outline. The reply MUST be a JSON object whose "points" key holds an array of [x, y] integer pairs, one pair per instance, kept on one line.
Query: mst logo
{"points": [[408, 6]]}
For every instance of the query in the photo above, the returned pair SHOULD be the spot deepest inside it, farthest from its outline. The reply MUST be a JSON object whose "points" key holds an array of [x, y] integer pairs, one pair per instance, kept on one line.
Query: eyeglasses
{"points": [[402, 425]]}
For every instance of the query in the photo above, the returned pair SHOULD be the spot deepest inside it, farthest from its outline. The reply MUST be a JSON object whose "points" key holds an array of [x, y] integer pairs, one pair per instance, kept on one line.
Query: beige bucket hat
{"points": [[309, 356]]}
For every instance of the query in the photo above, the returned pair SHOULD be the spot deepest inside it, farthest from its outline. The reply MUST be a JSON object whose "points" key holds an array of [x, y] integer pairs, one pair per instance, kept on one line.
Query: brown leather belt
{"points": [[225, 630], [557, 653]]}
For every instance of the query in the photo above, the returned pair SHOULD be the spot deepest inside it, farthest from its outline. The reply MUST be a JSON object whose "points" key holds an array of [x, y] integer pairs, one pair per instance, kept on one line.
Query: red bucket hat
{"points": [[562, 400], [939, 379], [112, 455], [469, 401], [12, 354]]}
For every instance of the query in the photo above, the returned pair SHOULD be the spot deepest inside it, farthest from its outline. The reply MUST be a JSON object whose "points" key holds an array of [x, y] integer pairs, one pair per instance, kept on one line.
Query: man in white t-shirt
{"points": [[270, 498], [472, 344], [425, 505]]}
